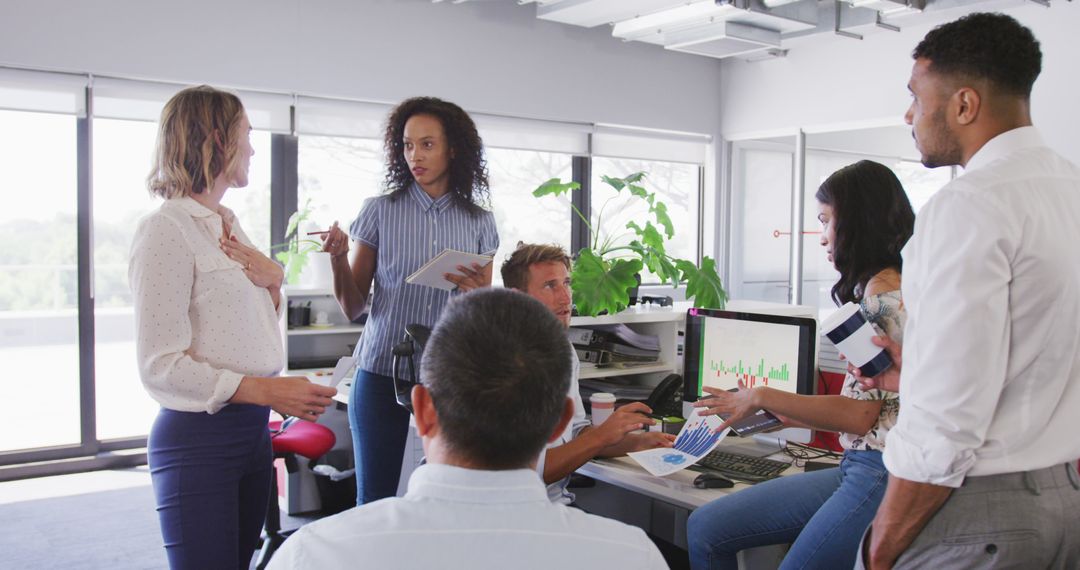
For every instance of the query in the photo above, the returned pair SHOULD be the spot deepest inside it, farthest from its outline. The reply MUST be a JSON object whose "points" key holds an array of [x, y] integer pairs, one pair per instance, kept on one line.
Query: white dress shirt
{"points": [[462, 518], [201, 325], [557, 491], [991, 371]]}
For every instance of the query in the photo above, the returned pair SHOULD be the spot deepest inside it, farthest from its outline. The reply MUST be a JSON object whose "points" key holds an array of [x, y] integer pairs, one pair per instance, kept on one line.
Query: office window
{"points": [[38, 281], [251, 204], [819, 274], [919, 182], [123, 152], [760, 224], [520, 216], [675, 184], [336, 174]]}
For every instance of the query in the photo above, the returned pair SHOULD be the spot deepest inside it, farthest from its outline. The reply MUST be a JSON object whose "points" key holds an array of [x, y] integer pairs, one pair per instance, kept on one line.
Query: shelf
{"points": [[591, 371], [636, 314], [292, 291], [336, 329]]}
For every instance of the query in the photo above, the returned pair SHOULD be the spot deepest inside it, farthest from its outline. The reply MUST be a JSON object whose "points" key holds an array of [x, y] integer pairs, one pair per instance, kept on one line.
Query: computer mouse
{"points": [[709, 480]]}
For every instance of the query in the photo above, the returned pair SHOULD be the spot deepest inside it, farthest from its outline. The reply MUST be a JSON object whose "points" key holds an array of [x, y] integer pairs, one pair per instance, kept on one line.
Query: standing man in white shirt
{"points": [[495, 373], [982, 460], [543, 273]]}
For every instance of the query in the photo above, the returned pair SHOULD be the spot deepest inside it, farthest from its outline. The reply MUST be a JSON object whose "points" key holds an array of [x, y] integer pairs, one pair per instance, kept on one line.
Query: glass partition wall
{"points": [[763, 263]]}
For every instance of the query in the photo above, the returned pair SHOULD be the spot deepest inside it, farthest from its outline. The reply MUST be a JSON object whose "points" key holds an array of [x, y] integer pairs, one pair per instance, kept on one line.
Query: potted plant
{"points": [[604, 272], [295, 252]]}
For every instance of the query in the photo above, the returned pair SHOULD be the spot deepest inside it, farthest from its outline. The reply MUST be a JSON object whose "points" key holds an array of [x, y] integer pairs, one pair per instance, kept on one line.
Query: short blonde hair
{"points": [[198, 138], [515, 270]]}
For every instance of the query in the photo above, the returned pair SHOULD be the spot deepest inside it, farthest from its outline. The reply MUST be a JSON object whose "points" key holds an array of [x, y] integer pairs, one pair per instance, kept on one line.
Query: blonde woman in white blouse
{"points": [[207, 306]]}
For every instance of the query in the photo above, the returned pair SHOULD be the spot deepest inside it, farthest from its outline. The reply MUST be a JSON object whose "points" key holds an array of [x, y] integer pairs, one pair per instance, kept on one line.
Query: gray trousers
{"points": [[1014, 520]]}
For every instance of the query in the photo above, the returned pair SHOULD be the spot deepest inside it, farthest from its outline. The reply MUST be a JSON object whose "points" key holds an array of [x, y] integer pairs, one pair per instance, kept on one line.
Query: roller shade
{"points": [[44, 92], [529, 134], [340, 118], [143, 101], [625, 142]]}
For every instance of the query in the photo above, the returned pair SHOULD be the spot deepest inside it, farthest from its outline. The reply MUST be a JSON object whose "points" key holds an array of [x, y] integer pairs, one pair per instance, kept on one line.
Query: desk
{"points": [[661, 505], [343, 389], [301, 494]]}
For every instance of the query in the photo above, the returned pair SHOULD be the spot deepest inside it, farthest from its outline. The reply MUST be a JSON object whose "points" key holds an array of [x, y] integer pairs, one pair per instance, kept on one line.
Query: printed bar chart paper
{"points": [[696, 439]]}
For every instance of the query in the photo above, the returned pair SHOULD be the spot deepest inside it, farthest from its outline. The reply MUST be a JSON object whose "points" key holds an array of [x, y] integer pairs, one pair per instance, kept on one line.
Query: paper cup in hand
{"points": [[602, 404], [852, 335]]}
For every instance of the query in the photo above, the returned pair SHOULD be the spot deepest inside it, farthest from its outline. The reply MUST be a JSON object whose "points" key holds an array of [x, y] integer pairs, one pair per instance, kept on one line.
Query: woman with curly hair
{"points": [[867, 219], [436, 193]]}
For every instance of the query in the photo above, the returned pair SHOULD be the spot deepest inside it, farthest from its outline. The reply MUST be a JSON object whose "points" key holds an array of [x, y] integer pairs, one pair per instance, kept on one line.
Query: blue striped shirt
{"points": [[406, 233]]}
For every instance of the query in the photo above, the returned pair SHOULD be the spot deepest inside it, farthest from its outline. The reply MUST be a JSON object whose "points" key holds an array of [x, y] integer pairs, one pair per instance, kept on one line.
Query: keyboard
{"points": [[745, 468]]}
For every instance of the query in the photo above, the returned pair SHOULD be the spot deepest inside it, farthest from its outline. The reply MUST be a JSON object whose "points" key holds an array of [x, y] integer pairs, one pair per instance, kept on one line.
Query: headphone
{"points": [[416, 336]]}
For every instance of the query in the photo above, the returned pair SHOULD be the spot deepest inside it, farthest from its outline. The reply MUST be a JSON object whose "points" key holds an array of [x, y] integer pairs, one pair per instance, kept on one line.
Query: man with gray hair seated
{"points": [[495, 375]]}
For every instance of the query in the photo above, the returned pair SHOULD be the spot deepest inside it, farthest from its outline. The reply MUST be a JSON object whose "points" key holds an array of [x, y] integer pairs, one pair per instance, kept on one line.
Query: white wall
{"points": [[487, 56], [844, 81]]}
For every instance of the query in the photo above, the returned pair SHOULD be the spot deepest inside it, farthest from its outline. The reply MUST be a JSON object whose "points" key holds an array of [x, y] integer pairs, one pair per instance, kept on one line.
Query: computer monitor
{"points": [[723, 347]]}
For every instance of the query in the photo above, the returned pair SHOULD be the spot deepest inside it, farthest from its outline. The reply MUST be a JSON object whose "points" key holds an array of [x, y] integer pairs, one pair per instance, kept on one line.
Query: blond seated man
{"points": [[543, 272]]}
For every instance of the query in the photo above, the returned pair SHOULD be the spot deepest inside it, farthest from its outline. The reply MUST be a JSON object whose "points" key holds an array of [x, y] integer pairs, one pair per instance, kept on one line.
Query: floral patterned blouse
{"points": [[885, 312]]}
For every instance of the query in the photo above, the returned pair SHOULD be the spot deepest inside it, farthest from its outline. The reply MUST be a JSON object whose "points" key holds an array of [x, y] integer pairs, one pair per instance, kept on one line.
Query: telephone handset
{"points": [[666, 398]]}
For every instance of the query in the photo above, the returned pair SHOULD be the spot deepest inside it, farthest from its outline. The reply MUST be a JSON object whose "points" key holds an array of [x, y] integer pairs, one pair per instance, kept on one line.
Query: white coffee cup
{"points": [[848, 329], [603, 404], [322, 318]]}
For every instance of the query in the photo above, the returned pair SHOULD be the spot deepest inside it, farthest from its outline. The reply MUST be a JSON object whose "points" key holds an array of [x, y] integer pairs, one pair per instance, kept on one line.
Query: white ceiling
{"points": [[750, 29]]}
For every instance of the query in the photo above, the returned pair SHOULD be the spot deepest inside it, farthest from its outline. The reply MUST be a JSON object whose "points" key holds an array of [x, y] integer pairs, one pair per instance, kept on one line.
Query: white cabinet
{"points": [[318, 345], [664, 322]]}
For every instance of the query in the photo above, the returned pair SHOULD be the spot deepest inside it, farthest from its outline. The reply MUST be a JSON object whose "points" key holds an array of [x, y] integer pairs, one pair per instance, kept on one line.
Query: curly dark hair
{"points": [[468, 177], [994, 47], [873, 220]]}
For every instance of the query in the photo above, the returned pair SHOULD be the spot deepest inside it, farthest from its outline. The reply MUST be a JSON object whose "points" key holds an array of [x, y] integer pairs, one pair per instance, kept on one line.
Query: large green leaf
{"points": [[657, 262], [619, 183], [640, 192], [294, 264], [650, 236], [616, 183], [555, 187], [662, 218], [600, 285], [295, 259], [663, 267], [703, 283], [298, 217]]}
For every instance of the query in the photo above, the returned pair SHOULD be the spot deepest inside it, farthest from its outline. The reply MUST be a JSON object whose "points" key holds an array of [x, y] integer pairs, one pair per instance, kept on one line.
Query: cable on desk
{"points": [[800, 453]]}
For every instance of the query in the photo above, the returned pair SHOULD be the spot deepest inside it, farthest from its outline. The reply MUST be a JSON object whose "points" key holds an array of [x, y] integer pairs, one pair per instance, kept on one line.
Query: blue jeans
{"points": [[211, 477], [379, 428], [822, 513]]}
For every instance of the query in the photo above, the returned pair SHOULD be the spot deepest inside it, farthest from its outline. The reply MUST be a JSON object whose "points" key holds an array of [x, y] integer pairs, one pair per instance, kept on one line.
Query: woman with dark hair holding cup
{"points": [[866, 219], [436, 192]]}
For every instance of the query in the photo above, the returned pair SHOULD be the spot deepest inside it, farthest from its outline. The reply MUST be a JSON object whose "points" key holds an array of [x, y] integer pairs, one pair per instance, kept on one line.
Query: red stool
{"points": [[298, 438]]}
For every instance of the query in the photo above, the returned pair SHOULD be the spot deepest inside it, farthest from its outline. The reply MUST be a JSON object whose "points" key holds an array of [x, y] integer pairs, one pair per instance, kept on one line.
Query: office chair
{"points": [[289, 438]]}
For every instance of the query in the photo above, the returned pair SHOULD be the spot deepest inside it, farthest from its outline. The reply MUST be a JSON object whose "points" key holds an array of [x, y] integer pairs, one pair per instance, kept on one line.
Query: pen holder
{"points": [[299, 316], [673, 425]]}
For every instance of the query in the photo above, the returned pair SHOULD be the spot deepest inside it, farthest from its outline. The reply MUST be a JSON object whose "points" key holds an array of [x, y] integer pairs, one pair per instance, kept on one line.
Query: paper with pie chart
{"points": [[697, 438]]}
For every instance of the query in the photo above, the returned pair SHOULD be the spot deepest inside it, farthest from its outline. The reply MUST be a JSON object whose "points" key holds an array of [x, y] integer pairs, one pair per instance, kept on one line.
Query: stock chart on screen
{"points": [[757, 353]]}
